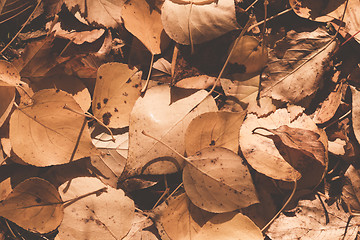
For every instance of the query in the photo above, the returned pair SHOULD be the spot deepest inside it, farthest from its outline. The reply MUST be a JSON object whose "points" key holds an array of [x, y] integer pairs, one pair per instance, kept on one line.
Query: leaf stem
{"points": [[149, 74]]}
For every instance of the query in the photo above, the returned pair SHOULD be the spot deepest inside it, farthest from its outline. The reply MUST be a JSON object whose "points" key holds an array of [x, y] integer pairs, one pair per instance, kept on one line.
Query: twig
{"points": [[149, 74], [270, 18]]}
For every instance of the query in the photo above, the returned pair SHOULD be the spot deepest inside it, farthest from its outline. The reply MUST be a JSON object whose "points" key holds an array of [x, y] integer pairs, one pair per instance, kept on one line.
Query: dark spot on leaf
{"points": [[57, 90], [128, 81], [98, 105], [212, 143], [136, 85], [106, 118], [38, 200], [100, 77], [105, 100], [125, 94], [116, 110]]}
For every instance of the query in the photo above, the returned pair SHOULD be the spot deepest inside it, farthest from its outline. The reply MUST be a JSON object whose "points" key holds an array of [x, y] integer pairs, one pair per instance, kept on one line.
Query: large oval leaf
{"points": [[216, 180], [35, 205], [157, 116], [47, 132]]}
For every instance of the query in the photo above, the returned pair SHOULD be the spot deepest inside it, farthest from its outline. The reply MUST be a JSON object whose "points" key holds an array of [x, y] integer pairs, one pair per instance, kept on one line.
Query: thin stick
{"points": [[173, 61], [270, 18], [264, 26], [251, 5], [15, 15], [149, 74], [286, 203], [66, 47], [23, 26]]}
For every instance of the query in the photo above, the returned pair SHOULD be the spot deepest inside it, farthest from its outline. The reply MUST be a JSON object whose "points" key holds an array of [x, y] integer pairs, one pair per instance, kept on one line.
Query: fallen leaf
{"points": [[216, 180], [198, 82], [217, 129], [187, 22], [356, 112], [229, 226], [6, 188], [116, 90], [106, 13], [157, 116], [35, 205], [69, 84], [7, 97], [139, 228], [180, 219], [297, 66], [332, 10], [351, 191], [9, 75], [92, 214], [47, 124], [248, 55], [308, 221], [144, 23]]}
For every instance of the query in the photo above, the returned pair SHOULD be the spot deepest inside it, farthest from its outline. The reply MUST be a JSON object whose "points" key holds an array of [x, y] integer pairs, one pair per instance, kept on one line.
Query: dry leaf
{"points": [[106, 13], [139, 227], [266, 155], [308, 222], [351, 191], [332, 10], [35, 205], [144, 23], [198, 82], [201, 23], [157, 116], [216, 180], [9, 75], [69, 84], [47, 125], [115, 93], [248, 55], [181, 219], [297, 66], [7, 97], [229, 226], [218, 129], [356, 112], [107, 214]]}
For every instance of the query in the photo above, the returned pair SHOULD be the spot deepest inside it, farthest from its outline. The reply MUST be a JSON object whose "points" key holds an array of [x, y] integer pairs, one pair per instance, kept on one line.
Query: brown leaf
{"points": [[35, 205], [9, 75], [7, 97], [198, 82], [46, 133], [217, 129], [356, 112], [115, 93], [216, 180]]}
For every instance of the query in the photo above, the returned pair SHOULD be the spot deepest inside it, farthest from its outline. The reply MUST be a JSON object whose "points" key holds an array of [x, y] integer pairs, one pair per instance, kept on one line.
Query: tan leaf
{"points": [[7, 97], [107, 214], [216, 180], [9, 75], [248, 55], [309, 222], [35, 205], [201, 23], [356, 112], [115, 93], [181, 219], [5, 188], [144, 23], [229, 226], [53, 121], [351, 190], [332, 10], [198, 82], [218, 129], [69, 84], [139, 227], [297, 66], [106, 13], [267, 156], [157, 116]]}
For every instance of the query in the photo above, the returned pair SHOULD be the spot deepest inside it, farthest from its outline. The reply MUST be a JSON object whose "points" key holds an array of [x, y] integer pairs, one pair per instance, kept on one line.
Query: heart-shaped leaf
{"points": [[35, 205], [216, 180]]}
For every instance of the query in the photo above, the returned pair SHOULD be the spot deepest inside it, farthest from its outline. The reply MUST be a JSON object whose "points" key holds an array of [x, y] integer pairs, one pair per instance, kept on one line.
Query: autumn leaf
{"points": [[355, 112], [34, 199], [7, 97], [9, 75]]}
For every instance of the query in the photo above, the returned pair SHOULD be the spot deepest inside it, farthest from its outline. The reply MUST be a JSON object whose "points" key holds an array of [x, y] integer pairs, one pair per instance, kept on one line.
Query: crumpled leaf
{"points": [[69, 84], [180, 219], [216, 180], [35, 205], [218, 129], [7, 97], [9, 75], [248, 55], [200, 22], [157, 116], [115, 93], [297, 65], [229, 226], [106, 13], [332, 10], [45, 125], [105, 214], [309, 222], [267, 156], [144, 23], [356, 112]]}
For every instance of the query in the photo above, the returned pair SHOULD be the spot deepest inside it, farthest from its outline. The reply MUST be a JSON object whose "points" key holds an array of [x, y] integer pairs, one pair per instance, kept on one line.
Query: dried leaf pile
{"points": [[179, 119]]}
